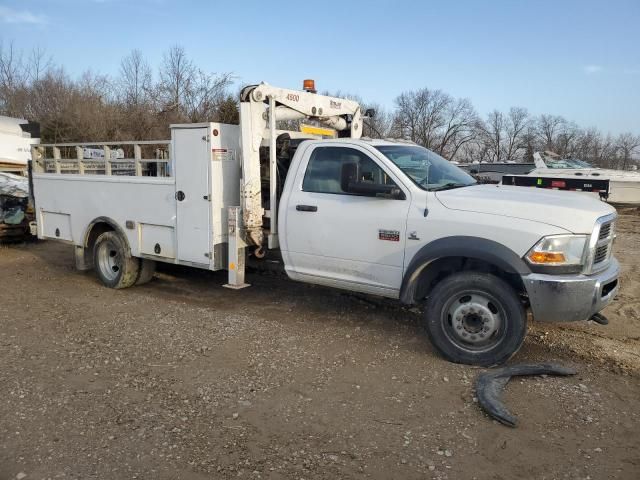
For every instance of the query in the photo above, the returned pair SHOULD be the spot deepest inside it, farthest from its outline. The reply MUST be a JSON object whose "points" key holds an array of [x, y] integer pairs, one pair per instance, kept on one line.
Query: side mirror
{"points": [[370, 113], [473, 171], [350, 183]]}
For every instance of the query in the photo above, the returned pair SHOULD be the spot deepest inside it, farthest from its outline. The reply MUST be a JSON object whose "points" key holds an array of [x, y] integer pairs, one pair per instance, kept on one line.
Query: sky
{"points": [[578, 59]]}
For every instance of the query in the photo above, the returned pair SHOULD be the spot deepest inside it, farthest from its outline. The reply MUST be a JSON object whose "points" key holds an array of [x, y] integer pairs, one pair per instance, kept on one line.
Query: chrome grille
{"points": [[600, 244], [601, 254], [605, 231]]}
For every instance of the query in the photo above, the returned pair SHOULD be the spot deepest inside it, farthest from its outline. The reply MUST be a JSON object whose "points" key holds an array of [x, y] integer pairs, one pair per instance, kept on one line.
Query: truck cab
{"points": [[395, 219], [382, 217]]}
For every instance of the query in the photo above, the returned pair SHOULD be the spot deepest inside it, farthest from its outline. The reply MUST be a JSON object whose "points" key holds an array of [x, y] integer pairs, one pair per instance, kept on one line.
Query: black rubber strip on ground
{"points": [[489, 386]]}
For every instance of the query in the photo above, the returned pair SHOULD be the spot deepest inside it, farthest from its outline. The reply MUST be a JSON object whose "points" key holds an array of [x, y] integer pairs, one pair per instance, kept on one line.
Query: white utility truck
{"points": [[383, 217]]}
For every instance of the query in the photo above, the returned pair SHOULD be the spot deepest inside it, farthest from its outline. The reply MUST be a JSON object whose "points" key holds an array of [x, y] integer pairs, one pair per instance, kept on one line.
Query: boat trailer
{"points": [[601, 187]]}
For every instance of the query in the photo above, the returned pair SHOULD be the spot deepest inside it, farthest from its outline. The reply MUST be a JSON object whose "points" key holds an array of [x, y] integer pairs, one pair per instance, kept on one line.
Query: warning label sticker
{"points": [[390, 235], [222, 154]]}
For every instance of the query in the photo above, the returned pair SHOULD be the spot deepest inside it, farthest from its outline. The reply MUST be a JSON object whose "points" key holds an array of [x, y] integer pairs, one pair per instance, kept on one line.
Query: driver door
{"points": [[344, 239]]}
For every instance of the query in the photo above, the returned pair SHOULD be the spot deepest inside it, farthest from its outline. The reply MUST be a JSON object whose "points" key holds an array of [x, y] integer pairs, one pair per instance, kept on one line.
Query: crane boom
{"points": [[261, 106]]}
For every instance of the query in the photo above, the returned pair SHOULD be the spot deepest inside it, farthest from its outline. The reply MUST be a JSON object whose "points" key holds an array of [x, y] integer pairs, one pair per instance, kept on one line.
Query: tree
{"points": [[549, 126], [187, 92], [136, 105], [435, 120], [135, 79], [493, 130], [419, 116], [38, 64], [461, 127], [228, 111], [517, 123], [204, 95], [176, 78], [627, 145], [13, 78]]}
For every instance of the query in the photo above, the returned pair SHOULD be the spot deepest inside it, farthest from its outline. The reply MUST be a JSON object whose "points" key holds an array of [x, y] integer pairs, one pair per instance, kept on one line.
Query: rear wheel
{"points": [[112, 260], [147, 270], [475, 318]]}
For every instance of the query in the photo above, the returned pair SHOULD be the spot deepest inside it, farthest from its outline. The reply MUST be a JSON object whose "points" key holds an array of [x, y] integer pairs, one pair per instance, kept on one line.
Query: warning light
{"points": [[309, 85], [547, 257], [558, 184]]}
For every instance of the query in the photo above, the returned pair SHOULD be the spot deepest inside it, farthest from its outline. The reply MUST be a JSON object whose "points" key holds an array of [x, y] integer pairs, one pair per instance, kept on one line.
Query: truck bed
{"points": [[169, 203], [67, 204]]}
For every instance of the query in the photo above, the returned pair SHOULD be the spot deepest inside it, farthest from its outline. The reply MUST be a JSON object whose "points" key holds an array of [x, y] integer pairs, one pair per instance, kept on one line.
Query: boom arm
{"points": [[260, 107]]}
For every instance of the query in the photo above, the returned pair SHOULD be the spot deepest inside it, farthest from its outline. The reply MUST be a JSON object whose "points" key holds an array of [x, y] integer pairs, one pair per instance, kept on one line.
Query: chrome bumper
{"points": [[569, 298]]}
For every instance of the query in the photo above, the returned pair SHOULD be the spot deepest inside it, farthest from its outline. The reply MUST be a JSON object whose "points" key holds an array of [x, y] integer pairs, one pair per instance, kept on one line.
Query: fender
{"points": [[83, 255], [109, 221], [459, 246]]}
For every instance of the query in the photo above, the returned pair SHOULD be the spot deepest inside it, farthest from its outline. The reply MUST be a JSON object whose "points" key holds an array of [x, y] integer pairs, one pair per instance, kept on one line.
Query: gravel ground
{"points": [[182, 379]]}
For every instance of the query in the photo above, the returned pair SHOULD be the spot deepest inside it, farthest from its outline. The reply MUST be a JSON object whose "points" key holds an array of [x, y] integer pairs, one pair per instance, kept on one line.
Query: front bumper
{"points": [[569, 298]]}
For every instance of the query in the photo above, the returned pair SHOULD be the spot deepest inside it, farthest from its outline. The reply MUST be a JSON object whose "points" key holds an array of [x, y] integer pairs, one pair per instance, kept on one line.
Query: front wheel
{"points": [[475, 318]]}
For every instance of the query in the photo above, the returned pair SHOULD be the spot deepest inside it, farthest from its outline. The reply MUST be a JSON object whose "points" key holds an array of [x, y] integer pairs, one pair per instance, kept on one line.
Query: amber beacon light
{"points": [[309, 85]]}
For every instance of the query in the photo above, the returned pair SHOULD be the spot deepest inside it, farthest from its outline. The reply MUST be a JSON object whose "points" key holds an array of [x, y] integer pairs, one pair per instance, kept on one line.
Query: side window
{"points": [[324, 170]]}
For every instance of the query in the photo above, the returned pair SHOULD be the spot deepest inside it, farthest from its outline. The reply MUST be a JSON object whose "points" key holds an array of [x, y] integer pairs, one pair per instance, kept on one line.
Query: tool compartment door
{"points": [[192, 163]]}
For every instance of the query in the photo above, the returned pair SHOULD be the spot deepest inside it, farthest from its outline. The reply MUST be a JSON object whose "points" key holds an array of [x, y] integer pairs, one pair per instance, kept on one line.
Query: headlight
{"points": [[558, 250]]}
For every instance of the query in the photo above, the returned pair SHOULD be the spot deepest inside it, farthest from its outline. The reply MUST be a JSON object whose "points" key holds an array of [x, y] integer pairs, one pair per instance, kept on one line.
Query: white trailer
{"points": [[381, 217]]}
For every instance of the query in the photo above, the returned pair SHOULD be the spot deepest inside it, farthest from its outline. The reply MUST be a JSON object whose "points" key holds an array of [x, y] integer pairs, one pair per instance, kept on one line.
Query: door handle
{"points": [[306, 208], [180, 196]]}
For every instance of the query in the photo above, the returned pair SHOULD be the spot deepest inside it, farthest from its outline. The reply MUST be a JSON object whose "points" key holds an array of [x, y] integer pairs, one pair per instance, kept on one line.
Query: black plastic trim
{"points": [[460, 246], [112, 223]]}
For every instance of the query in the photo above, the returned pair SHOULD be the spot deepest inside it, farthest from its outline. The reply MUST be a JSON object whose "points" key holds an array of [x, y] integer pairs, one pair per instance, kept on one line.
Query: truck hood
{"points": [[573, 211]]}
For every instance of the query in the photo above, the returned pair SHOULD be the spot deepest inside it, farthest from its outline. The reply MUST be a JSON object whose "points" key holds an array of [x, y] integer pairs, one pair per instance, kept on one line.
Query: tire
{"points": [[147, 270], [475, 318], [113, 263]]}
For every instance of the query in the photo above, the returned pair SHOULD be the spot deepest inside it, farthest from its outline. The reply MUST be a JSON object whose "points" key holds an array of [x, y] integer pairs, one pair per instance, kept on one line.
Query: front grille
{"points": [[601, 244], [605, 230], [601, 254]]}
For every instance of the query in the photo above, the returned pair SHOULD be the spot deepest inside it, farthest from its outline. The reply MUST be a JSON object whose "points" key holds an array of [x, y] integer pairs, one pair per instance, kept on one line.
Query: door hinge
{"points": [[208, 255]]}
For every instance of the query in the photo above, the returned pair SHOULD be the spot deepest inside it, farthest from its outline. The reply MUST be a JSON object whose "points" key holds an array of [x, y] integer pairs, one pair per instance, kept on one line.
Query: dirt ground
{"points": [[183, 379]]}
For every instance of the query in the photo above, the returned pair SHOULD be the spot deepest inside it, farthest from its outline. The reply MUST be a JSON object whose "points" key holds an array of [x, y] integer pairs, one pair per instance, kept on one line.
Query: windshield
{"points": [[428, 170], [567, 163]]}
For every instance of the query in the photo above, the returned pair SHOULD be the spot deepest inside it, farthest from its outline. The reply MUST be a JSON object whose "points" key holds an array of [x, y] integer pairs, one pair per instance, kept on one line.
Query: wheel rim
{"points": [[109, 260], [474, 321]]}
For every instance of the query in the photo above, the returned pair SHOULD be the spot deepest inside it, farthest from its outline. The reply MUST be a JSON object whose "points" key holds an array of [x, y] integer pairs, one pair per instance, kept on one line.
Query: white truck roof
{"points": [[376, 142]]}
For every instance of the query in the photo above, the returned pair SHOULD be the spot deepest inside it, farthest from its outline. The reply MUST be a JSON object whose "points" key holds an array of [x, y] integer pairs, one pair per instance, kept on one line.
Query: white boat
{"points": [[492, 172], [16, 137], [624, 185]]}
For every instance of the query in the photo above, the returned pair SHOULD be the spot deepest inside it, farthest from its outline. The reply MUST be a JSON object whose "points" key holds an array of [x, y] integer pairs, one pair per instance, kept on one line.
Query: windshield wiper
{"points": [[449, 186]]}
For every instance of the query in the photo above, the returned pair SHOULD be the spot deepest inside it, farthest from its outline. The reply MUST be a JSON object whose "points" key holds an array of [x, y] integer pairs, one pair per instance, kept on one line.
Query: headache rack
{"points": [[150, 158]]}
